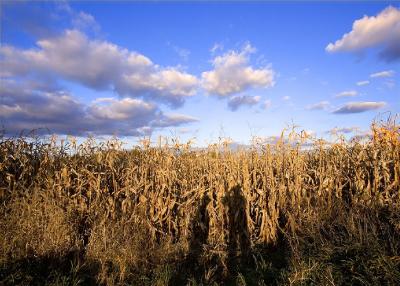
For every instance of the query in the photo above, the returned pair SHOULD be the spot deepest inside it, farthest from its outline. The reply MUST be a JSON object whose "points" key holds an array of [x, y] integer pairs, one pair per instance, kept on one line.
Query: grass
{"points": [[278, 214]]}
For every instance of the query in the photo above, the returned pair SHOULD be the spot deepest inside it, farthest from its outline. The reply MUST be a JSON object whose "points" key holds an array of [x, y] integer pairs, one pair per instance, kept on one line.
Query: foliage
{"points": [[93, 213]]}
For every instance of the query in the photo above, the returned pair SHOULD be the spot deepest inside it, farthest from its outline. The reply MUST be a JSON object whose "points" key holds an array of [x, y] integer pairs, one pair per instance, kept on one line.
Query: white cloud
{"points": [[216, 47], [84, 21], [362, 83], [286, 98], [24, 107], [174, 120], [347, 93], [390, 83], [382, 30], [235, 102], [388, 73], [267, 104], [322, 105], [358, 107], [233, 74], [120, 110], [99, 65], [32, 96], [182, 53]]}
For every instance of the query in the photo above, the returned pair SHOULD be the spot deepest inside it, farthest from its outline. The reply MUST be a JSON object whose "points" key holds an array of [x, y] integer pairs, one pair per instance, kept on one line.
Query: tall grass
{"points": [[277, 214]]}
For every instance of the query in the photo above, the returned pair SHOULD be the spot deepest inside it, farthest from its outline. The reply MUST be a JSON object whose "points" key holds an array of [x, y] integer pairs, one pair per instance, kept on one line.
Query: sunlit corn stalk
{"points": [[160, 188]]}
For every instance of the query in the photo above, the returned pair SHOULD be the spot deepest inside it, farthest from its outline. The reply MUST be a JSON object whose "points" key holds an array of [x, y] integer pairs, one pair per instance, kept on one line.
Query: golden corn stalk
{"points": [[211, 204]]}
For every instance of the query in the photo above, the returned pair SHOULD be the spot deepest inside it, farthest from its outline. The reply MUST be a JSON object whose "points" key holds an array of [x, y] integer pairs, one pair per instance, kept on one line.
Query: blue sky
{"points": [[198, 69]]}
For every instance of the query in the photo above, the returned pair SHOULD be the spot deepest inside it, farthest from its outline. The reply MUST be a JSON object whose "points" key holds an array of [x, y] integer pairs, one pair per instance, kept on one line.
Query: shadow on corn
{"points": [[247, 263], [194, 264], [239, 255], [238, 238]]}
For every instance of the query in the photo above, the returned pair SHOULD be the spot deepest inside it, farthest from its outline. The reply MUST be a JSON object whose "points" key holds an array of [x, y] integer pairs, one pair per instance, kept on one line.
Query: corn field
{"points": [[169, 214]]}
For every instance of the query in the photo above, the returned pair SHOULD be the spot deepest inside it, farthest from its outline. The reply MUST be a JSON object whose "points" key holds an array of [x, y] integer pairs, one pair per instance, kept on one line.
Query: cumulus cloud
{"points": [[381, 31], [84, 21], [125, 109], [36, 20], [286, 98], [232, 74], [174, 120], [322, 105], [23, 107], [32, 94], [363, 82], [358, 107], [347, 93], [100, 65], [235, 102], [388, 73]]}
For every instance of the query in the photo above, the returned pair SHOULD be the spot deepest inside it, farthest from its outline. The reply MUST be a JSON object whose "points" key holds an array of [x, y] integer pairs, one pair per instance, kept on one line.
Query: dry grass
{"points": [[167, 215]]}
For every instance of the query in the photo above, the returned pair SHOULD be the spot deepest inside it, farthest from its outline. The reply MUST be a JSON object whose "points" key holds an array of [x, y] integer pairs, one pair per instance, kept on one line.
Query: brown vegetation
{"points": [[168, 215]]}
